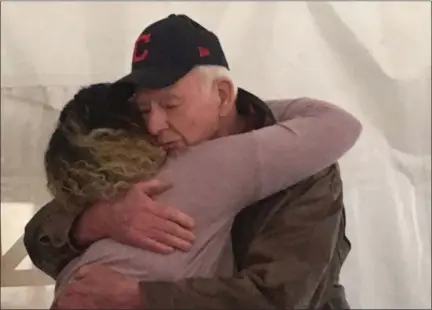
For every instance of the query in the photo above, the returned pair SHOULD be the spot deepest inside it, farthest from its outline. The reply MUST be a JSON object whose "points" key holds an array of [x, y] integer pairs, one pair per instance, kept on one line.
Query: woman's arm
{"points": [[312, 135], [248, 167]]}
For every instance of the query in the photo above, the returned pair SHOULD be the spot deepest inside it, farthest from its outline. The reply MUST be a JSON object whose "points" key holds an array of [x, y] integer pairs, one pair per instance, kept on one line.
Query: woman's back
{"points": [[197, 192]]}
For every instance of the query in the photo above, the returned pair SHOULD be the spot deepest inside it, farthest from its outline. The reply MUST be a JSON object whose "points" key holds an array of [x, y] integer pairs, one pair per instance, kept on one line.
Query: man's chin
{"points": [[174, 149]]}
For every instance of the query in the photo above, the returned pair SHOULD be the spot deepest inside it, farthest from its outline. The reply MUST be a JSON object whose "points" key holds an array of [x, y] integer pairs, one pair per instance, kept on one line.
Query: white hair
{"points": [[210, 73]]}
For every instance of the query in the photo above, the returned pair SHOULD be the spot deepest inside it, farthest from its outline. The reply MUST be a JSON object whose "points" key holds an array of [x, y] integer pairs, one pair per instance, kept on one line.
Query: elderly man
{"points": [[289, 248]]}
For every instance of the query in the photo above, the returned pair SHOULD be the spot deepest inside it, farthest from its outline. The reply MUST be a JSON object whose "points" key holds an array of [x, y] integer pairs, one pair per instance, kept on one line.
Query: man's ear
{"points": [[226, 93]]}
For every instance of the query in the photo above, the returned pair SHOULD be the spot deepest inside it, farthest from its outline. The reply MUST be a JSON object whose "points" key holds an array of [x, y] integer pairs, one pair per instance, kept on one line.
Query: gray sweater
{"points": [[213, 181]]}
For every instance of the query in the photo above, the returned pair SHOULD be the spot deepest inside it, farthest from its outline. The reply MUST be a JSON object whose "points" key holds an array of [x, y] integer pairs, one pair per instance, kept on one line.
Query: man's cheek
{"points": [[193, 135], [180, 130]]}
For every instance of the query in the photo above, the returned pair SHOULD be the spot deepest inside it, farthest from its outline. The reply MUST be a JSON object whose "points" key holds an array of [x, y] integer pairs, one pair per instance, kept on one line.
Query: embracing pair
{"points": [[175, 189]]}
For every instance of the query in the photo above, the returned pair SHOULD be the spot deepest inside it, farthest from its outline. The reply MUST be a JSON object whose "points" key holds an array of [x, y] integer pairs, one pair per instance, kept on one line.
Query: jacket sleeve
{"points": [[47, 240], [287, 271]]}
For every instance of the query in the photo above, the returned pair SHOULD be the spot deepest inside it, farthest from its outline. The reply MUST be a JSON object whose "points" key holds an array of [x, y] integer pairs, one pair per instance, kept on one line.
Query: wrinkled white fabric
{"points": [[372, 59]]}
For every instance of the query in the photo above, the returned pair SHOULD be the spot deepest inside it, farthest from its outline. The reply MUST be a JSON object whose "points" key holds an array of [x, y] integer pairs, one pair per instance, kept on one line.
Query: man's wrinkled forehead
{"points": [[143, 95], [149, 96], [185, 87]]}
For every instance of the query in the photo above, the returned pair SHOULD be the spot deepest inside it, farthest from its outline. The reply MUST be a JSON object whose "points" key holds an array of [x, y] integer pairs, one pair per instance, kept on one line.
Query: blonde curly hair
{"points": [[98, 150]]}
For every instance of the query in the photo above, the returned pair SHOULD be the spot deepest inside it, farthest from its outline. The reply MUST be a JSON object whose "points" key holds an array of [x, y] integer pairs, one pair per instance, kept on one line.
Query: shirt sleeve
{"points": [[311, 135], [245, 168]]}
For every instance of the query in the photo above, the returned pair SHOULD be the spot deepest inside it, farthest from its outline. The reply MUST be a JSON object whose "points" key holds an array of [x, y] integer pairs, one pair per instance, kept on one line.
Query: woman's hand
{"points": [[138, 220]]}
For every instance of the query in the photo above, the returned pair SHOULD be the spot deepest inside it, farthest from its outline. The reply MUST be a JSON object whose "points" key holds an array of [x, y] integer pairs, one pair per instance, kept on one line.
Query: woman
{"points": [[100, 149]]}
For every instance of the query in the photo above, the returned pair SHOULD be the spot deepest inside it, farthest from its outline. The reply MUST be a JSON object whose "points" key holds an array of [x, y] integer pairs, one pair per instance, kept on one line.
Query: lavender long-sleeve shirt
{"points": [[213, 181]]}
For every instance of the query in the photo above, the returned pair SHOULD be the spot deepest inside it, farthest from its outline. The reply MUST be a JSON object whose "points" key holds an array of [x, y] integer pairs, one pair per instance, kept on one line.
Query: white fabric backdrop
{"points": [[373, 59]]}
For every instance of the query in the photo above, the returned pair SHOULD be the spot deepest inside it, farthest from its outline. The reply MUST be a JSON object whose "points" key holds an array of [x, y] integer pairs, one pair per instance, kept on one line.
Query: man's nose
{"points": [[157, 120]]}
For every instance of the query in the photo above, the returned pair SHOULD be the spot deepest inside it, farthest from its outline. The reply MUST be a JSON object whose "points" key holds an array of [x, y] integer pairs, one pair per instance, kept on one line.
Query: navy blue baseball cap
{"points": [[167, 50]]}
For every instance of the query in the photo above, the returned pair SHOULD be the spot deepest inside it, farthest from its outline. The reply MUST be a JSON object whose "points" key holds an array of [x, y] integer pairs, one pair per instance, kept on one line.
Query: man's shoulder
{"points": [[322, 191], [311, 197], [327, 181], [279, 106]]}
